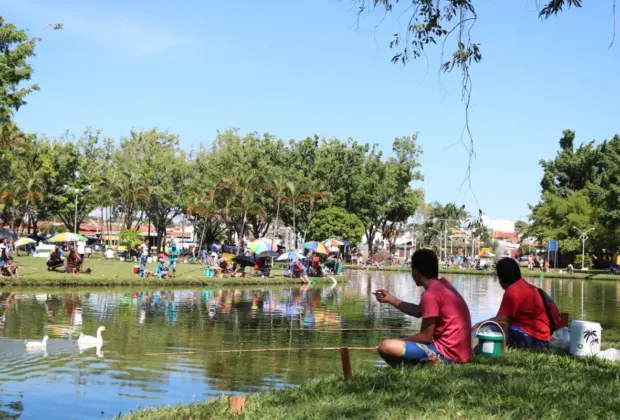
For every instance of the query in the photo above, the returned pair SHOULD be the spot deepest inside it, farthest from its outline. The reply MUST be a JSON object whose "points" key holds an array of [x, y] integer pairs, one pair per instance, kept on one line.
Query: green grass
{"points": [[34, 272], [519, 384], [590, 275]]}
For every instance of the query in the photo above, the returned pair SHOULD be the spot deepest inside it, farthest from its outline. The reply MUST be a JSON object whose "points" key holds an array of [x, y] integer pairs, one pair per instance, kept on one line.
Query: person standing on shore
{"points": [[173, 257], [445, 333]]}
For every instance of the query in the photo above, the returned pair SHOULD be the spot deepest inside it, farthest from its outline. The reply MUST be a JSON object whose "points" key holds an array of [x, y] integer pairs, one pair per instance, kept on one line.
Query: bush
{"points": [[130, 238], [587, 261]]}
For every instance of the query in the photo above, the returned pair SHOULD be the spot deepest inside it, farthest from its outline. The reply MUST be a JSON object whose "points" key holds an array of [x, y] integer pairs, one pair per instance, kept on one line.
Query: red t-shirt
{"points": [[522, 303], [453, 328]]}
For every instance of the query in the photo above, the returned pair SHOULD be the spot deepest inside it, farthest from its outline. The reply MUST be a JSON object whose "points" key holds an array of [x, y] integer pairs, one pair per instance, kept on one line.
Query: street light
{"points": [[430, 228], [76, 191], [584, 236]]}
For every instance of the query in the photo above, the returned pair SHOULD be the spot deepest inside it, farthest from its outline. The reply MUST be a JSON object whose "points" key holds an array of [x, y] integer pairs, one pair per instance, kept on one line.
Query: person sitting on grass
{"points": [[522, 308], [55, 259], [299, 271], [214, 264], [445, 332], [238, 270], [12, 267], [73, 262], [161, 271]]}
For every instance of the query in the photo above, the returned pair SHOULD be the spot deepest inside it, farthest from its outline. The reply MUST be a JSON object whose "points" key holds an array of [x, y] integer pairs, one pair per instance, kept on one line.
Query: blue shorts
{"points": [[418, 353], [172, 265], [518, 338]]}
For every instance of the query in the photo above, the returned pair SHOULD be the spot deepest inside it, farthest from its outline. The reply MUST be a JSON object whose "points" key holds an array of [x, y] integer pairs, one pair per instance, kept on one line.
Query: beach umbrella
{"points": [[68, 237], [261, 245], [7, 234], [344, 242], [489, 255], [290, 256], [24, 241], [330, 243], [266, 254], [245, 260], [317, 247]]}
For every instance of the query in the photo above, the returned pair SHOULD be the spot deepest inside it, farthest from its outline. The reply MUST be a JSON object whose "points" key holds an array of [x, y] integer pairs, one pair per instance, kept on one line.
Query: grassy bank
{"points": [[520, 384], [34, 272], [588, 275]]}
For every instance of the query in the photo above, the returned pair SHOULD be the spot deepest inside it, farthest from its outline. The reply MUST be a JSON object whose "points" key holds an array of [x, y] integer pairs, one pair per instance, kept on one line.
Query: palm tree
{"points": [[28, 190], [294, 194], [278, 189], [316, 192], [204, 205], [130, 189], [244, 188]]}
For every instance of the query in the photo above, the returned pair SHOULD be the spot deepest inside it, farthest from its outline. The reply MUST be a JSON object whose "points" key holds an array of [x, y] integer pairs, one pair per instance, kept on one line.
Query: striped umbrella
{"points": [[24, 241], [68, 237], [261, 245], [317, 247], [332, 242]]}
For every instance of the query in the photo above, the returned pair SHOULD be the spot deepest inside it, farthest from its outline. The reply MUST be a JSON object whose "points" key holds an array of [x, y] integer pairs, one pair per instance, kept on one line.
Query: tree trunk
{"points": [[245, 213], [204, 229], [294, 226], [370, 238], [275, 232]]}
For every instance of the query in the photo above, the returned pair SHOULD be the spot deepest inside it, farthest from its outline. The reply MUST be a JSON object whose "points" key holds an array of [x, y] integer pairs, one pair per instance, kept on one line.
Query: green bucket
{"points": [[489, 342]]}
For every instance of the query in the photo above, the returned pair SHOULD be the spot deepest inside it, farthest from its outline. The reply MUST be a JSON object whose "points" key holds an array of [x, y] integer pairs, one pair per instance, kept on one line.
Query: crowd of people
{"points": [[446, 331]]}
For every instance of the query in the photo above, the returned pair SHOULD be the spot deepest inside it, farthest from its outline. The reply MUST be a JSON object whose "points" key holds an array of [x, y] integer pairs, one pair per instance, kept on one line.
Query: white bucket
{"points": [[585, 338], [149, 260]]}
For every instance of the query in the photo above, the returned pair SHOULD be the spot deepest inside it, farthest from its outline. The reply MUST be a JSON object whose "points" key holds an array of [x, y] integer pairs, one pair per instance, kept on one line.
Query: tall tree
{"points": [[294, 195]]}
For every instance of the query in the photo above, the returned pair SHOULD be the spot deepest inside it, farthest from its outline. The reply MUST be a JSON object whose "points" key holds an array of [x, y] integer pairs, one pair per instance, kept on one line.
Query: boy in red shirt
{"points": [[445, 332], [522, 309]]}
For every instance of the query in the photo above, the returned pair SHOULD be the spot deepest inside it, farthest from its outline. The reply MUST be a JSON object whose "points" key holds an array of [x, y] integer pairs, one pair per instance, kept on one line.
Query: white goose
{"points": [[37, 344], [89, 339]]}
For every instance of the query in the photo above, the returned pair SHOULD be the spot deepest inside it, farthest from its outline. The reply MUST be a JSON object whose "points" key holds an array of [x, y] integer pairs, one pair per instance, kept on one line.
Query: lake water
{"points": [[160, 345]]}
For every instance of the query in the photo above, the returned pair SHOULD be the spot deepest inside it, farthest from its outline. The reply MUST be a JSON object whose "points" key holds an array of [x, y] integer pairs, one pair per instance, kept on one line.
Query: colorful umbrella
{"points": [[290, 256], [68, 237], [332, 242], [317, 247], [24, 241], [261, 245]]}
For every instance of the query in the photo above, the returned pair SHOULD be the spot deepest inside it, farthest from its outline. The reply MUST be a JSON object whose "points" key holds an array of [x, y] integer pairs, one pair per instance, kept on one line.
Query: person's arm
{"points": [[427, 332], [383, 296]]}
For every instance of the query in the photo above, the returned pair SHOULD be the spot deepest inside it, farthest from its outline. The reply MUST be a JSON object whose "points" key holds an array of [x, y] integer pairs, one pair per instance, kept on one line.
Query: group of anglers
{"points": [[446, 331]]}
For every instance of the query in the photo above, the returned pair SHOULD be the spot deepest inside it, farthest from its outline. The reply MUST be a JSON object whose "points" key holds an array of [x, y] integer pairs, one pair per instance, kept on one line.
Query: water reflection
{"points": [[158, 348]]}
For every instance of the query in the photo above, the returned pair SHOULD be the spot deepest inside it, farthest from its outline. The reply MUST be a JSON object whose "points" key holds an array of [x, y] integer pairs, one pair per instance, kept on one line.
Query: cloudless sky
{"points": [[299, 68]]}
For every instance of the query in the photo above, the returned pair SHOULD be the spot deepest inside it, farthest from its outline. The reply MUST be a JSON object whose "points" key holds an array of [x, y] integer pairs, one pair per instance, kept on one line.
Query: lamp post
{"points": [[439, 237], [584, 236], [76, 191]]}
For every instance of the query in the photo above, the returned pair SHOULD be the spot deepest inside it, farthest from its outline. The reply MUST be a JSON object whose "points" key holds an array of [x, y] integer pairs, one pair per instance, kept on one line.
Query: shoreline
{"points": [[577, 274], [404, 393], [85, 280]]}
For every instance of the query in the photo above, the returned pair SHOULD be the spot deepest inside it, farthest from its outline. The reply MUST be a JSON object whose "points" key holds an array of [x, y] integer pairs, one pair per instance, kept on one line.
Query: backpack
{"points": [[553, 313]]}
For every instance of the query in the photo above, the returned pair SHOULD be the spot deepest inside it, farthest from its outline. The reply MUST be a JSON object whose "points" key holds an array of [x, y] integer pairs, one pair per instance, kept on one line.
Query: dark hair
{"points": [[508, 270], [425, 261]]}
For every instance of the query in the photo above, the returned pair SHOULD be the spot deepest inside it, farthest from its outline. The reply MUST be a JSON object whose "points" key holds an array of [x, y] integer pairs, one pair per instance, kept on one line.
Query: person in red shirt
{"points": [[522, 309], [445, 332]]}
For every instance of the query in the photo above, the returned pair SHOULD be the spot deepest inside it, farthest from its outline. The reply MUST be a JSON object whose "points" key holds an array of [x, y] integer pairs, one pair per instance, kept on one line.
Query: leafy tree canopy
{"points": [[336, 223]]}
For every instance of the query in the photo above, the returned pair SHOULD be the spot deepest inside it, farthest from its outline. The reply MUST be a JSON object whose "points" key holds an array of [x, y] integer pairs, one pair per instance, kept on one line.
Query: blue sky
{"points": [[296, 68]]}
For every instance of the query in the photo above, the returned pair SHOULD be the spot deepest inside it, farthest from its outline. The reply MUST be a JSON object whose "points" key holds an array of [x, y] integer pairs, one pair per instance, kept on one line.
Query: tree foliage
{"points": [[336, 223], [580, 190]]}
